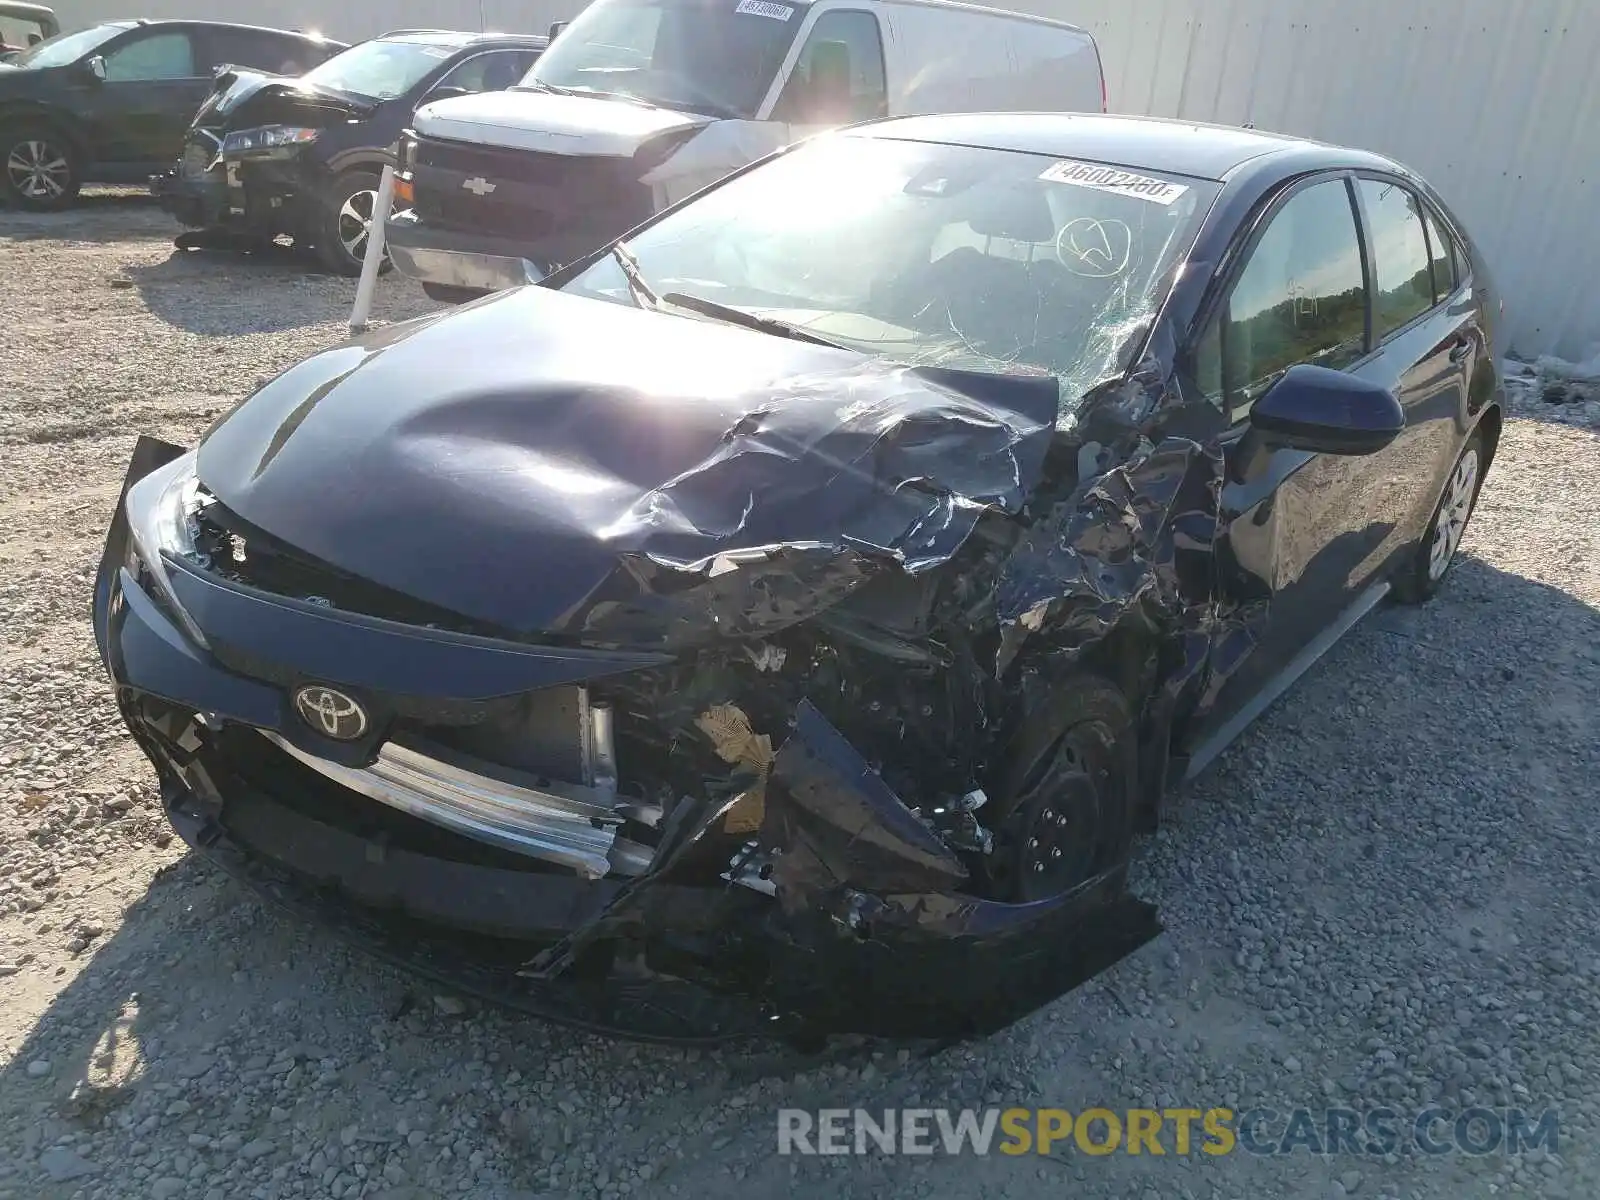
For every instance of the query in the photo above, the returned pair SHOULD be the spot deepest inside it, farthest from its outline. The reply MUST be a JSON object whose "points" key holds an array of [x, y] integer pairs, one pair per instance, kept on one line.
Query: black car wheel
{"points": [[38, 168], [1065, 814], [1435, 554], [347, 223], [448, 294]]}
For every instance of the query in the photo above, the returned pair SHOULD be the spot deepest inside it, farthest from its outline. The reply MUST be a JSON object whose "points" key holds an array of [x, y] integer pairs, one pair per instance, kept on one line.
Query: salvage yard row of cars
{"points": [[783, 614]]}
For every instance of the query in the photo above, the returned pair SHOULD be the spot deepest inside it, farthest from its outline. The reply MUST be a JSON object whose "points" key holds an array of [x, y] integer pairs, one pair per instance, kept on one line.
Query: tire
{"points": [[340, 242], [1065, 813], [448, 294], [40, 169], [1429, 566]]}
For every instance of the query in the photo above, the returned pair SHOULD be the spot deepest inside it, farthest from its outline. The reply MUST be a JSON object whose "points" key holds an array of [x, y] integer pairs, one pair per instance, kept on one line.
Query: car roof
{"points": [[1180, 147], [457, 38], [195, 24]]}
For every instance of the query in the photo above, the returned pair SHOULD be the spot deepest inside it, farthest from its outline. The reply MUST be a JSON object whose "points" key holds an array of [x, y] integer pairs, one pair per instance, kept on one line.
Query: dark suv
{"points": [[109, 104], [268, 156]]}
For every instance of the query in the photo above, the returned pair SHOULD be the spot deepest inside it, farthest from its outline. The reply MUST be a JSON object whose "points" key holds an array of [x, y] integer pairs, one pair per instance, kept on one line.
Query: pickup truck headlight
{"points": [[408, 150], [266, 137], [161, 510]]}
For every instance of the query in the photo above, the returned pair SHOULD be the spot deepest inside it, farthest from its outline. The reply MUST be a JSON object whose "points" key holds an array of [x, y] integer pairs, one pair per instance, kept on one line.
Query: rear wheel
{"points": [[1435, 554], [346, 223], [39, 167], [1065, 814], [448, 294]]}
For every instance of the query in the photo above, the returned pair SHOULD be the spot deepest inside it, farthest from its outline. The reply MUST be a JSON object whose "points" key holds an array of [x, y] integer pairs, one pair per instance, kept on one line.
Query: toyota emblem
{"points": [[331, 712]]}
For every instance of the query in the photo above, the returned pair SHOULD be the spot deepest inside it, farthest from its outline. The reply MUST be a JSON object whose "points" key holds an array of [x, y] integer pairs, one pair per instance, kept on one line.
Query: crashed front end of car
{"points": [[672, 703]]}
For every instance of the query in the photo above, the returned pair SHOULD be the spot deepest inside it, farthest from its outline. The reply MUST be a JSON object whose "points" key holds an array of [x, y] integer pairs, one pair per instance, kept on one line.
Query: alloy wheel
{"points": [[37, 170], [1454, 509], [355, 223]]}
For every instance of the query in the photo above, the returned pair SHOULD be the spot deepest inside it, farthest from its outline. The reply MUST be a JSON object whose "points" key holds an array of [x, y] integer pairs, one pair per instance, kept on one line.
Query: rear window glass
{"points": [[1441, 251], [1403, 289]]}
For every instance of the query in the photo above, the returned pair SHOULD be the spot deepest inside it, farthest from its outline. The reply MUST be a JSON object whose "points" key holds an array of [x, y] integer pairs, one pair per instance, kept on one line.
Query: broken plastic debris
{"points": [[739, 745]]}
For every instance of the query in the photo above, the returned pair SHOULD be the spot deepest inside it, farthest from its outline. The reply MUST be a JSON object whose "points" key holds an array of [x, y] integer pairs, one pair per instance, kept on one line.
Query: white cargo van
{"points": [[639, 103]]}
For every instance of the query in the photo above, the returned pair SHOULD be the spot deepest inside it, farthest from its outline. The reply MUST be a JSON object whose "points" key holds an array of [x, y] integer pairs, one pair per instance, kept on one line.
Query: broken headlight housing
{"points": [[266, 137], [161, 510]]}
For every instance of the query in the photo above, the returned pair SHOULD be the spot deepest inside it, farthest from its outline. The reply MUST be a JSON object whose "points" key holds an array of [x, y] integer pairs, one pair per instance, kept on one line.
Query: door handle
{"points": [[1462, 348]]}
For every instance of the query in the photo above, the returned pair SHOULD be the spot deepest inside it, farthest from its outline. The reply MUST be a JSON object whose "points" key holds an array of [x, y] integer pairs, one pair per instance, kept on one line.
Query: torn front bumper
{"points": [[198, 202], [856, 923]]}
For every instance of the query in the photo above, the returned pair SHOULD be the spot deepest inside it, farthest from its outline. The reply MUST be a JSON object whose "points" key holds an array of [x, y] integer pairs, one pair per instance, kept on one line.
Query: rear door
{"points": [[1428, 342], [1295, 525], [154, 82]]}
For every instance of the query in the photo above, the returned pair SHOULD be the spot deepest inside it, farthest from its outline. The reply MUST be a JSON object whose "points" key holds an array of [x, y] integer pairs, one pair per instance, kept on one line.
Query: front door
{"points": [[1295, 526], [152, 88]]}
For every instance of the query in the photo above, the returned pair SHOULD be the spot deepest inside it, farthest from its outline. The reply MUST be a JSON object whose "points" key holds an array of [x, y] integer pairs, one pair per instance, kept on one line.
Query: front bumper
{"points": [[454, 259], [858, 926], [199, 202]]}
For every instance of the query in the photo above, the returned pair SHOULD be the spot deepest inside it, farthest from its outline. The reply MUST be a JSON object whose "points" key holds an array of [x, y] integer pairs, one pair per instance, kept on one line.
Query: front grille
{"points": [[498, 164], [241, 553], [462, 210]]}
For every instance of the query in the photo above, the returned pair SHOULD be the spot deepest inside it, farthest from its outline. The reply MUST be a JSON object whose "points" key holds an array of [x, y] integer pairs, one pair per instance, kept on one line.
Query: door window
{"points": [[159, 56], [492, 72], [838, 77], [1403, 289], [1301, 297], [1440, 251], [260, 51]]}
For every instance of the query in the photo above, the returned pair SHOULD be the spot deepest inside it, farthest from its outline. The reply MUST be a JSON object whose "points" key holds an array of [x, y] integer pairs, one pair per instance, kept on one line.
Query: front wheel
{"points": [[346, 223], [1065, 810], [1435, 554], [39, 168]]}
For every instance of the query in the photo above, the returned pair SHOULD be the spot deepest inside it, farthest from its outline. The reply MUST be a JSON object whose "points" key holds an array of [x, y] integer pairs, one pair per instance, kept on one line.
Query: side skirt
{"points": [[1207, 751]]}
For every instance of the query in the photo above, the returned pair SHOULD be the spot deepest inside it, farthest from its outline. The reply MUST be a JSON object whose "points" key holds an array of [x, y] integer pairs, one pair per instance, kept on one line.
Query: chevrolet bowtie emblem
{"points": [[478, 185]]}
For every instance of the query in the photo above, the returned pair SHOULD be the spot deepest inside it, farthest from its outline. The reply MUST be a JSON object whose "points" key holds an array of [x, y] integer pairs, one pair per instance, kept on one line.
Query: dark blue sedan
{"points": [[787, 617]]}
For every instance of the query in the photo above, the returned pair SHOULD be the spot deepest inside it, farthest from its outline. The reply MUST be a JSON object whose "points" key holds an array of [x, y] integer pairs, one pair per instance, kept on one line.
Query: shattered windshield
{"points": [[931, 254], [380, 69], [717, 57]]}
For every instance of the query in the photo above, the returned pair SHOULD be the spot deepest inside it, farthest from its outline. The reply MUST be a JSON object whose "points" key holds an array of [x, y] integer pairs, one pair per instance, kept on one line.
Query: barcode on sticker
{"points": [[764, 8], [1112, 179]]}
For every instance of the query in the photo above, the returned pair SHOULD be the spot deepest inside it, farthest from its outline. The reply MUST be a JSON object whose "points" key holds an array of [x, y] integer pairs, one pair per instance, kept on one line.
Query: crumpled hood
{"points": [[528, 120], [247, 98], [545, 462]]}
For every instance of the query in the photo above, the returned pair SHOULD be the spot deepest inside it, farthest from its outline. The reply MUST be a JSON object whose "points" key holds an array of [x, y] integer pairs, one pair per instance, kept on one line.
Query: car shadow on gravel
{"points": [[95, 217], [218, 293], [228, 1042]]}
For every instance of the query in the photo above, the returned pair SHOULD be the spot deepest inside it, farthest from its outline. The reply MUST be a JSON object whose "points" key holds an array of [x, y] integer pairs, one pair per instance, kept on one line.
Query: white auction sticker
{"points": [[1112, 179], [765, 8]]}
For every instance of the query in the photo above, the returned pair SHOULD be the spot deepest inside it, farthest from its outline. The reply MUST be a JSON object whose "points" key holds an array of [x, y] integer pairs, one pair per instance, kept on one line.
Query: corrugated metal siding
{"points": [[1496, 103]]}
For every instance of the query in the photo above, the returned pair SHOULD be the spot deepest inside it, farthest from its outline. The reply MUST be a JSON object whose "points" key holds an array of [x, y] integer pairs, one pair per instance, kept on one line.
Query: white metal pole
{"points": [[374, 257]]}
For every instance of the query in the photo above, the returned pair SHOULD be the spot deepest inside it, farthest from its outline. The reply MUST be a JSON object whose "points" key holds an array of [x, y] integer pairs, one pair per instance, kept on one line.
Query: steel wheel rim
{"points": [[355, 223], [38, 170], [1454, 509]]}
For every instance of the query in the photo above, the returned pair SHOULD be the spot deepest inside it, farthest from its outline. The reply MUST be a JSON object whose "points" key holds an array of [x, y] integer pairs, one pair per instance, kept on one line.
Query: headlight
{"points": [[267, 137], [161, 510], [408, 150]]}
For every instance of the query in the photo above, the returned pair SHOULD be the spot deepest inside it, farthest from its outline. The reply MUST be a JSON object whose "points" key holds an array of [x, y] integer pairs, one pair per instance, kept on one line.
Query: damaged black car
{"points": [[786, 619]]}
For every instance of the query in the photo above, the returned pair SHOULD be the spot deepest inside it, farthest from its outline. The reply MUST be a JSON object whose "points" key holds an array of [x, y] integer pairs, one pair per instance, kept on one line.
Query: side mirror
{"points": [[444, 92], [1323, 411], [96, 67]]}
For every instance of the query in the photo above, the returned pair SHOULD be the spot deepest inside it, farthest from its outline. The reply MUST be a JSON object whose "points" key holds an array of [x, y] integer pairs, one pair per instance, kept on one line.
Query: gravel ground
{"points": [[1387, 894]]}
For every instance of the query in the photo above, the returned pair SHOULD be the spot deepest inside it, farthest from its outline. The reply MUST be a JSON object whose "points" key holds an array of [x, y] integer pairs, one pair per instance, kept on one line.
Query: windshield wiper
{"points": [[749, 320], [643, 295]]}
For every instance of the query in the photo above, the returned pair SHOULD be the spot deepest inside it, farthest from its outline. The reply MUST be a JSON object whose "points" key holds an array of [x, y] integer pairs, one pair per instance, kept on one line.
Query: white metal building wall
{"points": [[1496, 102]]}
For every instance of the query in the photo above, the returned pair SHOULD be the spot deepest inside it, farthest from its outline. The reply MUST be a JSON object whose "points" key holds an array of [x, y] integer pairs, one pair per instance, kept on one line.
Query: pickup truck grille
{"points": [[527, 194]]}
